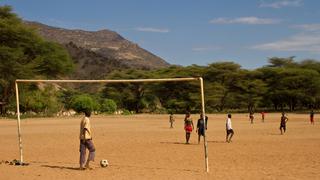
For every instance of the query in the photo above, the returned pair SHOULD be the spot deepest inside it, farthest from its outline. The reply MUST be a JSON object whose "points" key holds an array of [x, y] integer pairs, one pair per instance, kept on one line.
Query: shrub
{"points": [[81, 103], [108, 106]]}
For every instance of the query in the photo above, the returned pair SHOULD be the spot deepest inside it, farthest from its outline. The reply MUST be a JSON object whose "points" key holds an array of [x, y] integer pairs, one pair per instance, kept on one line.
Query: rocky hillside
{"points": [[97, 53], [90, 65]]}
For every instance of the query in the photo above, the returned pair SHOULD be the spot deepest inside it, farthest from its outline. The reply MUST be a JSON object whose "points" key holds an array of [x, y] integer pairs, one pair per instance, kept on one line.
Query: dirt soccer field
{"points": [[144, 147]]}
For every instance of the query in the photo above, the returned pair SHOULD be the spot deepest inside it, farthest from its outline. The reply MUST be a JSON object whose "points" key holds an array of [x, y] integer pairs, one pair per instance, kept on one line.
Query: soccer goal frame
{"points": [[200, 79]]}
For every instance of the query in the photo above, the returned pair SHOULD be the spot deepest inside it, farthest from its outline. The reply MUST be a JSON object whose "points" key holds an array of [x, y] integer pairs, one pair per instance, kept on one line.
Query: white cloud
{"points": [[206, 48], [245, 20], [151, 29], [308, 27], [301, 42], [282, 3]]}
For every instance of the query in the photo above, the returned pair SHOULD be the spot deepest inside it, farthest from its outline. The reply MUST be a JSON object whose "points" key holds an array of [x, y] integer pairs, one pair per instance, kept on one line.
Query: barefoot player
{"points": [[171, 120], [251, 116], [283, 123], [312, 117], [188, 126], [262, 116], [86, 142], [201, 126], [229, 129]]}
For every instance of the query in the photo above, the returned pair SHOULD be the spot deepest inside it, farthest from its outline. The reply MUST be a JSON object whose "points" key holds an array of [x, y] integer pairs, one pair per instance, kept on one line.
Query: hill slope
{"points": [[98, 53]]}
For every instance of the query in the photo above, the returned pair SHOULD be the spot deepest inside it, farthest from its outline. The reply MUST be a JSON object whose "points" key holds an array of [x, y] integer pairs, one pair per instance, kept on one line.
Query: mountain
{"points": [[91, 65], [96, 53]]}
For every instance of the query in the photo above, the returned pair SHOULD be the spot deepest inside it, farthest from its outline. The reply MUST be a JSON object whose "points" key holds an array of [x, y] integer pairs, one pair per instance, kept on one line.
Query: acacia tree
{"points": [[221, 78], [291, 87], [24, 54], [249, 89], [130, 96]]}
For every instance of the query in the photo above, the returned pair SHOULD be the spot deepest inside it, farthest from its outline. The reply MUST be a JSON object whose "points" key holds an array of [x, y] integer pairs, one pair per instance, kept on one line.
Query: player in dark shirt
{"points": [[262, 116], [201, 126], [251, 116], [311, 117], [283, 123]]}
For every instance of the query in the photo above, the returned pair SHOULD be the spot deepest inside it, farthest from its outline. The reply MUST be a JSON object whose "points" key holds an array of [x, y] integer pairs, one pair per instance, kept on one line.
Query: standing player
{"points": [[171, 120], [229, 129], [251, 117], [86, 142], [312, 117], [283, 123], [262, 116], [201, 126], [188, 126]]}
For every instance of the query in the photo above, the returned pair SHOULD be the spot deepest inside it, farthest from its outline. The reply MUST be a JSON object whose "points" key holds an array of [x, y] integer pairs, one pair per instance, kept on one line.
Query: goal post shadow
{"points": [[200, 79]]}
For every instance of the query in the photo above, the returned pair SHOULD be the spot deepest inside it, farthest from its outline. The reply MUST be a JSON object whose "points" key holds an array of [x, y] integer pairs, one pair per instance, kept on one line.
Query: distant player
{"points": [[86, 142], [171, 120], [283, 123], [188, 126], [251, 116], [262, 116], [201, 126], [312, 117], [229, 129]]}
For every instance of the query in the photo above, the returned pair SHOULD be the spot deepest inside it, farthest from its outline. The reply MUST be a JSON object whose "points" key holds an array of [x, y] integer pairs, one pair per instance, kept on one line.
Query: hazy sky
{"points": [[187, 32]]}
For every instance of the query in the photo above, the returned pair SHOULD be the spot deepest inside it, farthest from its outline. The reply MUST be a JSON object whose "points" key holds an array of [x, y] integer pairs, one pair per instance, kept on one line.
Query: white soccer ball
{"points": [[104, 163]]}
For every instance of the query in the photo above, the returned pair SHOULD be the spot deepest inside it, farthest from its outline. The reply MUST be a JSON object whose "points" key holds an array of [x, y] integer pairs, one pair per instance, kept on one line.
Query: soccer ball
{"points": [[104, 163]]}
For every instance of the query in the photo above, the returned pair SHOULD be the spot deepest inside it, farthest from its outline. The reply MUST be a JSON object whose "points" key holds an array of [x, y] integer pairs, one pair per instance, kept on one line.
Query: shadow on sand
{"points": [[216, 142], [275, 134], [61, 167], [156, 168], [182, 143], [120, 166]]}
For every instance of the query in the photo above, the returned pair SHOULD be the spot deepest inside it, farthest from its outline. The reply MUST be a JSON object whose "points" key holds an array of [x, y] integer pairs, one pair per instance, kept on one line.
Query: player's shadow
{"points": [[60, 167], [181, 143], [156, 168], [275, 134], [216, 141]]}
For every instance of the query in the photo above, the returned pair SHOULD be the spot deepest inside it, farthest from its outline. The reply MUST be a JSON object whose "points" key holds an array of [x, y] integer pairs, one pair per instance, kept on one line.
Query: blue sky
{"points": [[187, 32]]}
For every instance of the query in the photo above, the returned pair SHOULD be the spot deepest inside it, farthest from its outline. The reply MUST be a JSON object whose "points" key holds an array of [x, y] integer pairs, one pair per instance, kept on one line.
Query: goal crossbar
{"points": [[112, 81], [106, 81]]}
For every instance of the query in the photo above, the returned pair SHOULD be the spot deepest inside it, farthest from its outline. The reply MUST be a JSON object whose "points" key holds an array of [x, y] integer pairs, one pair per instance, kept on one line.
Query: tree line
{"points": [[284, 84]]}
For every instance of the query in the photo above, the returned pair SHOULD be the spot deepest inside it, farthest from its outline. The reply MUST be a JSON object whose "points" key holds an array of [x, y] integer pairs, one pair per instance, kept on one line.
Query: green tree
{"points": [[249, 90], [44, 101], [24, 54], [282, 62], [220, 79], [291, 87], [127, 95]]}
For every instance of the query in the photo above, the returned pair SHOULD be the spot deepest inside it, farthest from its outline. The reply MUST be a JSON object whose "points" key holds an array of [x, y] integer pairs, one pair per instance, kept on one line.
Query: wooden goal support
{"points": [[106, 82]]}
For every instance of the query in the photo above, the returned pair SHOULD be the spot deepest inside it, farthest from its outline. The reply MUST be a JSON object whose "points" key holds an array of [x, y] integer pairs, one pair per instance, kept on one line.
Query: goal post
{"points": [[106, 82]]}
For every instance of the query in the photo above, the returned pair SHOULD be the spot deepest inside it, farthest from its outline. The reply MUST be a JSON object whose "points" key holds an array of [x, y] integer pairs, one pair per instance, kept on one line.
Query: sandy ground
{"points": [[144, 147]]}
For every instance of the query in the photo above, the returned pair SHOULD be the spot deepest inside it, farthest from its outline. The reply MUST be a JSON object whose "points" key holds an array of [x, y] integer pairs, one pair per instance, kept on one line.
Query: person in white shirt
{"points": [[229, 129]]}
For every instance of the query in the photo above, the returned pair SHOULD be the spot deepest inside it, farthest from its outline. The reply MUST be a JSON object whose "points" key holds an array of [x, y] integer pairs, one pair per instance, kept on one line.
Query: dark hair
{"points": [[87, 113], [229, 115]]}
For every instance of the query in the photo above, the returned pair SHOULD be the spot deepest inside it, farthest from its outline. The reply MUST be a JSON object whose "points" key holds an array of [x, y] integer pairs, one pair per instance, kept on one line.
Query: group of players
{"points": [[188, 125], [202, 125], [87, 143], [203, 121]]}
